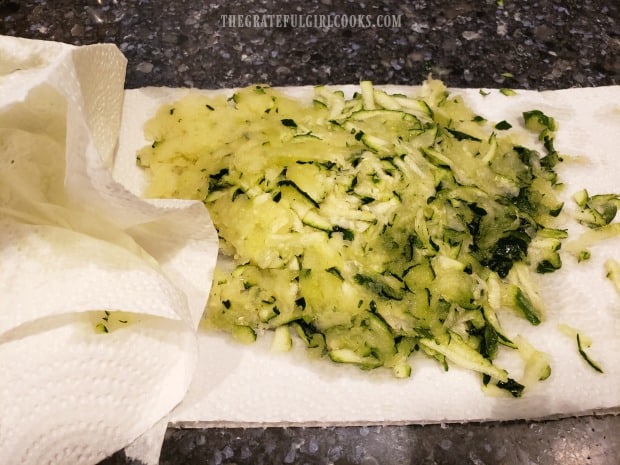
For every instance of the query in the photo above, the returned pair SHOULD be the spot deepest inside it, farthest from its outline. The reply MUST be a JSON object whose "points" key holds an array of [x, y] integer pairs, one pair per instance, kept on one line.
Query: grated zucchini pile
{"points": [[373, 226]]}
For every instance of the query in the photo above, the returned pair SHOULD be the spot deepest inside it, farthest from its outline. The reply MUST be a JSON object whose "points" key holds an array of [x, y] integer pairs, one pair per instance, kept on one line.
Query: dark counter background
{"points": [[520, 44], [544, 44]]}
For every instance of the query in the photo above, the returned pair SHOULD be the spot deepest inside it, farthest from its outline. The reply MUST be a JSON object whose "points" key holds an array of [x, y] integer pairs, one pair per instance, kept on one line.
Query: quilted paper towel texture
{"points": [[253, 385], [73, 243]]}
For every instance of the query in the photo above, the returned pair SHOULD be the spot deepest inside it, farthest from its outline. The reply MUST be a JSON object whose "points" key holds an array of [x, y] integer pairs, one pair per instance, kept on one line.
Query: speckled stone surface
{"points": [[483, 43], [543, 44]]}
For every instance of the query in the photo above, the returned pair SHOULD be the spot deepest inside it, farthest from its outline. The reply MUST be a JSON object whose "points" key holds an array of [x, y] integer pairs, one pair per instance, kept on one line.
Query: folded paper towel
{"points": [[74, 244], [75, 241]]}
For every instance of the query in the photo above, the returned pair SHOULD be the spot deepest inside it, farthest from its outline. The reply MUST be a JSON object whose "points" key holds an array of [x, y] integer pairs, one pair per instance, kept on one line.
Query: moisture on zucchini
{"points": [[376, 226]]}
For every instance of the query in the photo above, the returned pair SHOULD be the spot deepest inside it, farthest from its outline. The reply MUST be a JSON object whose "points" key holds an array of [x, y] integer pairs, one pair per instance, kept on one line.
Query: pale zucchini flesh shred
{"points": [[612, 271], [376, 226]]}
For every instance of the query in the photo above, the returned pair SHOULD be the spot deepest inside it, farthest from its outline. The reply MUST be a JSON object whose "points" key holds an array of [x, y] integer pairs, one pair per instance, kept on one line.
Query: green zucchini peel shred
{"points": [[597, 210], [583, 342], [586, 357]]}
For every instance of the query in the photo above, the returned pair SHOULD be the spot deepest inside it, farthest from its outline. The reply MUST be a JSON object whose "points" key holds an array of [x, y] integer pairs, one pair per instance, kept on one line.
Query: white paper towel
{"points": [[75, 240], [73, 243], [243, 385]]}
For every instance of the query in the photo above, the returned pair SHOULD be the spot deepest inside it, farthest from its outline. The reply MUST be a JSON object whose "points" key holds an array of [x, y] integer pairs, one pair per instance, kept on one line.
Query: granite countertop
{"points": [[528, 44], [543, 44]]}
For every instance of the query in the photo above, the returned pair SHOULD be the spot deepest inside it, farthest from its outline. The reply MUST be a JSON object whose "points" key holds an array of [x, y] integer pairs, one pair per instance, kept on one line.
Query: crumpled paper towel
{"points": [[75, 243], [252, 386]]}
